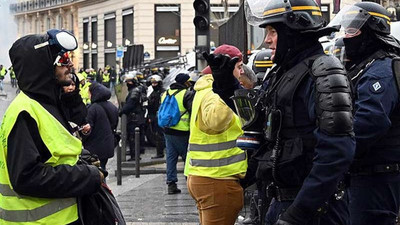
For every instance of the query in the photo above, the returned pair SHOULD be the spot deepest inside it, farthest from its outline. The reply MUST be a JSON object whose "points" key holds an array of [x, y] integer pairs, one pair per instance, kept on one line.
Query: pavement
{"points": [[143, 200]]}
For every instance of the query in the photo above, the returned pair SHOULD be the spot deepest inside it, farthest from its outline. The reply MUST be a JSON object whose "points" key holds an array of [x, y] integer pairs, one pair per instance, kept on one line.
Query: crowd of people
{"points": [[318, 137]]}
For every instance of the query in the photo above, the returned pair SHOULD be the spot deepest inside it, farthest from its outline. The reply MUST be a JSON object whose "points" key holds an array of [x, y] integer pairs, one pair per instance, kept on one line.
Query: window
{"points": [[109, 59], [127, 27], [94, 29], [109, 31], [85, 30], [60, 24], [167, 30], [94, 61], [85, 61]]}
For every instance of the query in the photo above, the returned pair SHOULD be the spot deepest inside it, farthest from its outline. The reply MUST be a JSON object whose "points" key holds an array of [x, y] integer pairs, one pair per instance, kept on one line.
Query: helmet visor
{"points": [[350, 20], [257, 11]]}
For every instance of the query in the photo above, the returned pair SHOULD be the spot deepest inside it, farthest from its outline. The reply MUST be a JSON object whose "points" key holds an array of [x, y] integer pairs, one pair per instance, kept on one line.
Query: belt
{"points": [[282, 194], [374, 169]]}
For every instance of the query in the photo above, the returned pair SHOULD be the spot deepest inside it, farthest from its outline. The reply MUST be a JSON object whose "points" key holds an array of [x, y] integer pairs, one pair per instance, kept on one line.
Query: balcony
{"points": [[37, 5]]}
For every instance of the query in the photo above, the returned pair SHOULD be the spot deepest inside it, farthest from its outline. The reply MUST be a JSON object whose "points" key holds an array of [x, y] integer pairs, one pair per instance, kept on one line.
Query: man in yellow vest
{"points": [[177, 137], [13, 77], [40, 177], [214, 164], [3, 72]]}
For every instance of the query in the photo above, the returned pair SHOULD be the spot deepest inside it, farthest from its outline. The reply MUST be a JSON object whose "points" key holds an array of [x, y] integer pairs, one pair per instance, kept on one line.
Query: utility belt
{"points": [[282, 194], [289, 194], [374, 169]]}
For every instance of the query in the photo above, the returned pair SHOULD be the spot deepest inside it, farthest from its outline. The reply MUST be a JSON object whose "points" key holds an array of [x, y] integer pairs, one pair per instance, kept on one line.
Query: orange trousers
{"points": [[219, 201]]}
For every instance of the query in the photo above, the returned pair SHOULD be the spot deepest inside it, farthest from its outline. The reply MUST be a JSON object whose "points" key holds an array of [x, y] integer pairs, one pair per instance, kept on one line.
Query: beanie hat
{"points": [[225, 49], [182, 78]]}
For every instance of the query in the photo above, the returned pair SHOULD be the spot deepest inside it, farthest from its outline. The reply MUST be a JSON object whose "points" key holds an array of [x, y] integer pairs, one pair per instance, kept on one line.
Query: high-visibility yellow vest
{"points": [[214, 155], [183, 124], [84, 92], [16, 209], [12, 74], [106, 78], [3, 72]]}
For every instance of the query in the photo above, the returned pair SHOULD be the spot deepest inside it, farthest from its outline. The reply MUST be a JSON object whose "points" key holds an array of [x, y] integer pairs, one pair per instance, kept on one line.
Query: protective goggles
{"points": [[63, 60], [63, 39]]}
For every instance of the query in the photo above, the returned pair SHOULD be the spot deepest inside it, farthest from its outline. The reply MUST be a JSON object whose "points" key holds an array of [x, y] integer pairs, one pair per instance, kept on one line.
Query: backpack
{"points": [[169, 114]]}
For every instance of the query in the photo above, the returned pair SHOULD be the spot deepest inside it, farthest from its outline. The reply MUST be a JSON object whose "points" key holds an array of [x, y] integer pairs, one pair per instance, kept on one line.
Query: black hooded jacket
{"points": [[103, 119], [27, 153]]}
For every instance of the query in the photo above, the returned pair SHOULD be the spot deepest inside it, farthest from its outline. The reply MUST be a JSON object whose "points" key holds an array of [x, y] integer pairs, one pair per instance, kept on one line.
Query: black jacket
{"points": [[103, 119], [133, 106], [27, 154]]}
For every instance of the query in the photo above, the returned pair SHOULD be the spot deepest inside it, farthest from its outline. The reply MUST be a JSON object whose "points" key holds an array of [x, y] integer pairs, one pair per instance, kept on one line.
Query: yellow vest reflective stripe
{"points": [[106, 77], [85, 92], [64, 149], [214, 155], [183, 124]]}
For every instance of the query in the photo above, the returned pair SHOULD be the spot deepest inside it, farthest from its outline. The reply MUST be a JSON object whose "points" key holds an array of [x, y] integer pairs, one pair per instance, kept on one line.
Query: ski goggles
{"points": [[64, 40], [63, 60]]}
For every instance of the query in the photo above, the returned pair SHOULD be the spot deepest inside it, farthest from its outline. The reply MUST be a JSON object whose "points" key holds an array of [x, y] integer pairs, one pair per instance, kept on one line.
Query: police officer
{"points": [[375, 177], [309, 141], [134, 110], [262, 64]]}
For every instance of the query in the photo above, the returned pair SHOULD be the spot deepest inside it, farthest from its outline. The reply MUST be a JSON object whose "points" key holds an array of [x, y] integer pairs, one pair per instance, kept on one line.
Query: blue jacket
{"points": [[376, 104]]}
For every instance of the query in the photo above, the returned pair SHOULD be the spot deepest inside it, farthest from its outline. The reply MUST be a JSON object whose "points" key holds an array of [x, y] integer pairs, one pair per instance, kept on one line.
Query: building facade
{"points": [[104, 27]]}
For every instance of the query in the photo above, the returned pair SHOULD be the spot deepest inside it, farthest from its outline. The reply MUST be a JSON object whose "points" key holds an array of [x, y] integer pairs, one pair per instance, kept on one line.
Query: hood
{"points": [[99, 93], [177, 86], [204, 82], [34, 68]]}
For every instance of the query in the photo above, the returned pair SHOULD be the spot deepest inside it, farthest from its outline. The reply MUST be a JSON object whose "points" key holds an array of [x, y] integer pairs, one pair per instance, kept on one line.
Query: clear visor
{"points": [[350, 19], [257, 10], [244, 101]]}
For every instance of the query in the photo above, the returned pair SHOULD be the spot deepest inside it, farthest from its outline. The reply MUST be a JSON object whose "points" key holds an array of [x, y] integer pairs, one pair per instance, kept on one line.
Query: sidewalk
{"points": [[144, 200]]}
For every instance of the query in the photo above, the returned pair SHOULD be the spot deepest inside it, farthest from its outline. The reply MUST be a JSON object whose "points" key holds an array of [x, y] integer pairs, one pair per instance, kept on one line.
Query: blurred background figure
{"points": [[13, 77], [103, 119], [247, 77], [154, 101], [262, 64]]}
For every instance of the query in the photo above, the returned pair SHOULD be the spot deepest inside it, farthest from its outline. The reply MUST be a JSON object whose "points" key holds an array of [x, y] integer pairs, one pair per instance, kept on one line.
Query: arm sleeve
{"points": [[216, 115], [129, 106], [377, 98], [333, 155], [30, 176]]}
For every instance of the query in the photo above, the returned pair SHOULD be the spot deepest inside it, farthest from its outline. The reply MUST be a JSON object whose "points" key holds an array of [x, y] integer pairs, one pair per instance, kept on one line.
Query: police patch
{"points": [[376, 87]]}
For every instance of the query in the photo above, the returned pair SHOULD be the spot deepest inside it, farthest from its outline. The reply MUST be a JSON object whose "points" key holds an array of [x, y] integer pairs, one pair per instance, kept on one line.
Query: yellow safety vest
{"points": [[183, 124], [106, 78], [16, 209], [214, 155], [84, 92], [3, 72]]}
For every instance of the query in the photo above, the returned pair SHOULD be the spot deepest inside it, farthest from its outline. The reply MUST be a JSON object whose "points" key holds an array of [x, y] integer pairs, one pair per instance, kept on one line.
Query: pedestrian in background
{"points": [[214, 164], [105, 79], [247, 77], [3, 72], [370, 51], [41, 167], [103, 119], [13, 77], [73, 106], [177, 137], [154, 101]]}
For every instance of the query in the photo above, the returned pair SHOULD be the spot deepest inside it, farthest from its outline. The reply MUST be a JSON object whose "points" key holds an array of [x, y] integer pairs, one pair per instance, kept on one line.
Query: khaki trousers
{"points": [[219, 201]]}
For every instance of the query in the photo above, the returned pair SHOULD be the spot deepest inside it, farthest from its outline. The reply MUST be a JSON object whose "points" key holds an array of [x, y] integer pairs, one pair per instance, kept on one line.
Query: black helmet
{"points": [[379, 19], [262, 62]]}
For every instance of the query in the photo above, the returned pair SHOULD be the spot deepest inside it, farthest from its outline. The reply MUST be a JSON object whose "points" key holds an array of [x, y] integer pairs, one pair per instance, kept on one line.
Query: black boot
{"points": [[173, 189]]}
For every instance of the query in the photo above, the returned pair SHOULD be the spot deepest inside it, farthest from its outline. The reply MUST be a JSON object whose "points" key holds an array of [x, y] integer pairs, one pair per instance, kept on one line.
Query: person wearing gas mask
{"points": [[374, 71], [41, 176], [306, 117]]}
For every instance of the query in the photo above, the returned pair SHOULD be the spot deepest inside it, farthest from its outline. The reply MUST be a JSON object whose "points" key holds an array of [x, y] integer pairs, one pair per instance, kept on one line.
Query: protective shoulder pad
{"points": [[333, 95]]}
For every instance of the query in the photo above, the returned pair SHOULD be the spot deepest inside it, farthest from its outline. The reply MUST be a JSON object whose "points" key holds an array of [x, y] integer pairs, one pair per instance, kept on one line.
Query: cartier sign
{"points": [[165, 40]]}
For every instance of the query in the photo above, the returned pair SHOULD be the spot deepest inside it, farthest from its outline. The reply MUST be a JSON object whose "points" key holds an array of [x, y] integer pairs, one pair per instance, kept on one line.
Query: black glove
{"points": [[281, 222], [222, 69]]}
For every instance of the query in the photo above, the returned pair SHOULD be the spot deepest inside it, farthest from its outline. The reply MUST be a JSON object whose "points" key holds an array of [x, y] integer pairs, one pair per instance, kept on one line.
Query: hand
{"points": [[222, 67], [101, 176], [86, 129]]}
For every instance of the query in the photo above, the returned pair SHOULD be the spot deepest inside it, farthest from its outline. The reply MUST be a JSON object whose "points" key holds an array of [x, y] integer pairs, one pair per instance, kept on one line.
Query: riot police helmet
{"points": [[262, 63]]}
